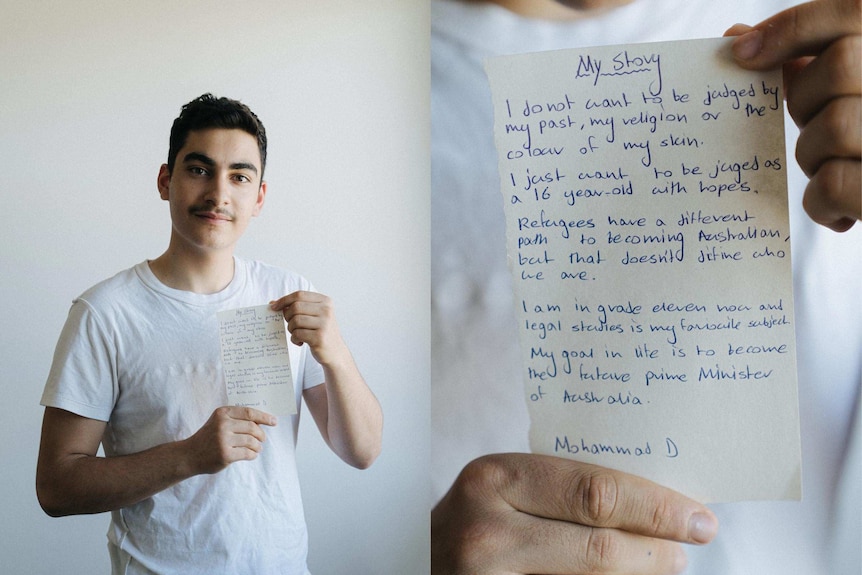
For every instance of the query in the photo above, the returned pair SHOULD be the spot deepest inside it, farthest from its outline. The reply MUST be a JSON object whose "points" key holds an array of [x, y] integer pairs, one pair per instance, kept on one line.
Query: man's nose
{"points": [[217, 192]]}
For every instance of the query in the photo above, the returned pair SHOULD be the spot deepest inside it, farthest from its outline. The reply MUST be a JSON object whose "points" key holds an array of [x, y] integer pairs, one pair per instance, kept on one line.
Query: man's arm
{"points": [[819, 44], [71, 479], [344, 408]]}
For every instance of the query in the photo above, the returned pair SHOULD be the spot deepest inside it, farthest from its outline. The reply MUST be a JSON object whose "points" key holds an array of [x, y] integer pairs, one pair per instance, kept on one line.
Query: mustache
{"points": [[205, 209]]}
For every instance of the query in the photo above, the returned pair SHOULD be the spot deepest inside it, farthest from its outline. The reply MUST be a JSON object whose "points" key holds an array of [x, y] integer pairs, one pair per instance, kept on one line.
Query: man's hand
{"points": [[820, 45], [310, 319], [230, 434], [71, 479], [344, 409], [513, 514]]}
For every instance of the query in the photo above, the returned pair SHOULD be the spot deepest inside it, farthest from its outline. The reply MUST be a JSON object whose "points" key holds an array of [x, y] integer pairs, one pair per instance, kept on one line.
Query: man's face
{"points": [[214, 189]]}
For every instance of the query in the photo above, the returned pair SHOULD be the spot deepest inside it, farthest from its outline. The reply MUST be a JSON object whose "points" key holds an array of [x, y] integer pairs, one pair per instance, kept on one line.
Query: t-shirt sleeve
{"points": [[83, 376]]}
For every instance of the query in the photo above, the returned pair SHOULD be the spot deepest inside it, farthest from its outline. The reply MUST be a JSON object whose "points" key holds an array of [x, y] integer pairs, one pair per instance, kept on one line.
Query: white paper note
{"points": [[647, 228], [255, 359]]}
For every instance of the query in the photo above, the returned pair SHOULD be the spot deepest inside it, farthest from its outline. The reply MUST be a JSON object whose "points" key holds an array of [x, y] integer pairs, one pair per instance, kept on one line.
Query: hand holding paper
{"points": [[472, 545], [310, 320], [231, 434]]}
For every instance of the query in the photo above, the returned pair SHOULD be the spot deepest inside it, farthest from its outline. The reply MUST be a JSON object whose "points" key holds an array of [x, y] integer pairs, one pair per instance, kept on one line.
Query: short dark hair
{"points": [[207, 112]]}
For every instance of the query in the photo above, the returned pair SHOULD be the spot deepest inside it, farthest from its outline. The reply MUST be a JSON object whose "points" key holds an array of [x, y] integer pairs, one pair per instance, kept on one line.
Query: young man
{"points": [[195, 486]]}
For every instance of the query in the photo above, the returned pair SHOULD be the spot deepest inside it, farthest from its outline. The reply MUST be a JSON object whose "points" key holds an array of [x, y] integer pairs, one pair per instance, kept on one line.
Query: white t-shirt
{"points": [[145, 358], [478, 404]]}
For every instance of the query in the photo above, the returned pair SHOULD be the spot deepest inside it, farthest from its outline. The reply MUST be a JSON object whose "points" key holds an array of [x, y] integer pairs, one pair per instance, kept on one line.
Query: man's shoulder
{"points": [[112, 288]]}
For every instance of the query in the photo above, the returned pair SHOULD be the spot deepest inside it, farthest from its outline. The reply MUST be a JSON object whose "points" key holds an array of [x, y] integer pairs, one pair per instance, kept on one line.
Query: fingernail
{"points": [[748, 45], [680, 562], [702, 527]]}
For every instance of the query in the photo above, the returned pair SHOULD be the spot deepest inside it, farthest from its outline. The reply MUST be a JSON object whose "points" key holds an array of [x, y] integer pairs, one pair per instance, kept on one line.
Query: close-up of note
{"points": [[645, 195], [256, 360]]}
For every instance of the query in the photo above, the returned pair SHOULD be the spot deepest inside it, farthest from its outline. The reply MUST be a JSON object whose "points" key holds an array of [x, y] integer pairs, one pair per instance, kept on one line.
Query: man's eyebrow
{"points": [[198, 157], [244, 166], [206, 160]]}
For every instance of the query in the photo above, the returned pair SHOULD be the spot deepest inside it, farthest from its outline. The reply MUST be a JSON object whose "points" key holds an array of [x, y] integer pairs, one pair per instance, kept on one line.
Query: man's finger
{"points": [[303, 336], [302, 308], [284, 301], [252, 414], [803, 30], [598, 497], [248, 442], [310, 322], [249, 429], [836, 73], [835, 132], [738, 30], [557, 547], [297, 296], [833, 197]]}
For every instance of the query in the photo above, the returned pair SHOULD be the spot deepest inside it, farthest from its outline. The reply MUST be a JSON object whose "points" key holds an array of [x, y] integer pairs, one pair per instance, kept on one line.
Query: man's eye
{"points": [[198, 171], [242, 178]]}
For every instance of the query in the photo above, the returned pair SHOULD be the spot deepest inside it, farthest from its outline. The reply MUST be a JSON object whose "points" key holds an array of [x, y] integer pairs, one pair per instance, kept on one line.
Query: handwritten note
{"points": [[255, 359], [647, 228]]}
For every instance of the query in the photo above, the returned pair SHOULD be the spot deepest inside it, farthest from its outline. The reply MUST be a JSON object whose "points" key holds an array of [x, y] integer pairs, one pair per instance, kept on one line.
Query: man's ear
{"points": [[261, 196], [164, 182]]}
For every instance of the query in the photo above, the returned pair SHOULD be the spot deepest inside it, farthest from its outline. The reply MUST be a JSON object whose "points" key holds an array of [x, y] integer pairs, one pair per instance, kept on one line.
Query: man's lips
{"points": [[212, 216]]}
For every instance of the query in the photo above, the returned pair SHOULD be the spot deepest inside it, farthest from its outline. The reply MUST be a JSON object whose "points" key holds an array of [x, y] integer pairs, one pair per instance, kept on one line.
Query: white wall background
{"points": [[88, 90]]}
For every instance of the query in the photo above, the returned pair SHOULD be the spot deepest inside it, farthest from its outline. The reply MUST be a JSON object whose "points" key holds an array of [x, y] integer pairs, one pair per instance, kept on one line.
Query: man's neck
{"points": [[199, 272]]}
